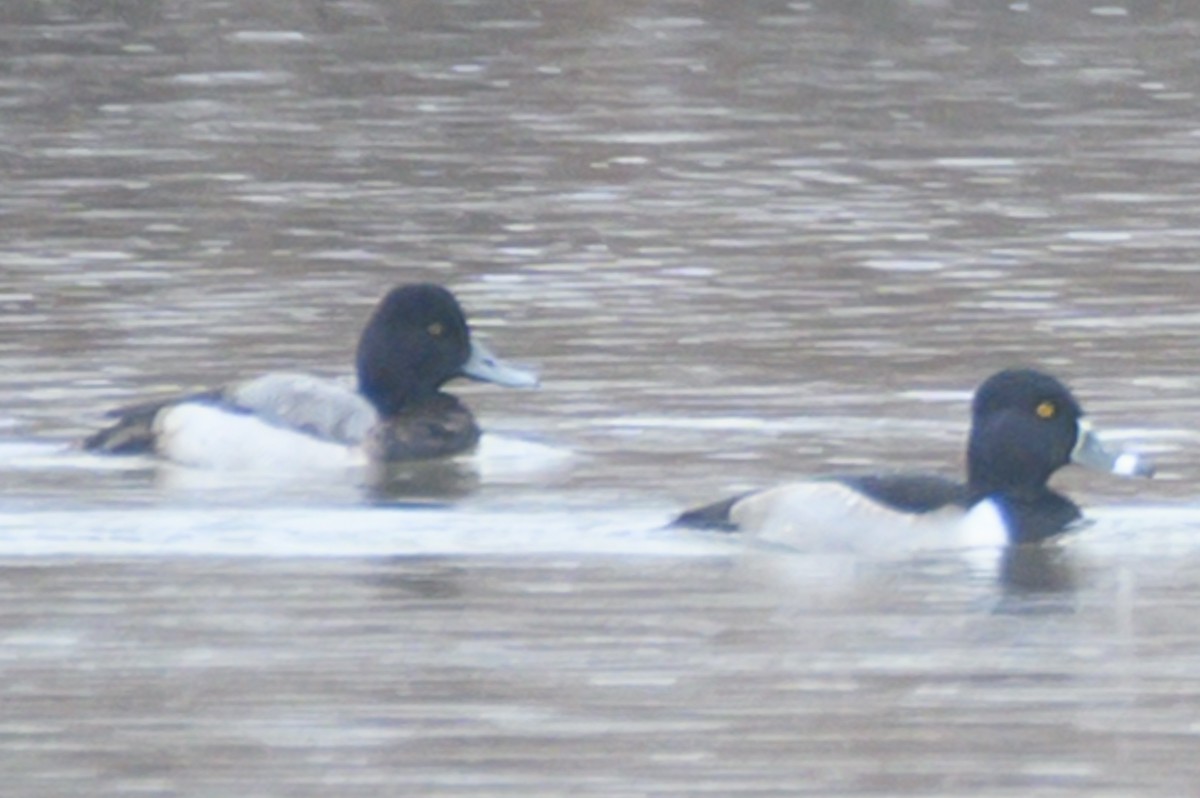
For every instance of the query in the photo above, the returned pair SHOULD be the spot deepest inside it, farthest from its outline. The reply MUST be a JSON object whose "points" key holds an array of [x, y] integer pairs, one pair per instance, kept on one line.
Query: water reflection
{"points": [[405, 665], [442, 481], [1038, 580], [1032, 570]]}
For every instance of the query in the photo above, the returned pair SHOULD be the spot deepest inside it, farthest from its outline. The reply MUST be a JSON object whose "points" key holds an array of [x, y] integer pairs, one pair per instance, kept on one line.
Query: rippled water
{"points": [[739, 242]]}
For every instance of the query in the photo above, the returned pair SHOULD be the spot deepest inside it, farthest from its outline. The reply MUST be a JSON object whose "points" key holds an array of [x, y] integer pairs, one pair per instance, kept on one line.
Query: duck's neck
{"points": [[393, 400], [988, 475]]}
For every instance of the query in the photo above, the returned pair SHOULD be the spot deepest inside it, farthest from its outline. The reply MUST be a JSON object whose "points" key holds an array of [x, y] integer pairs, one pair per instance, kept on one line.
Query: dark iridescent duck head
{"points": [[1025, 425], [416, 341]]}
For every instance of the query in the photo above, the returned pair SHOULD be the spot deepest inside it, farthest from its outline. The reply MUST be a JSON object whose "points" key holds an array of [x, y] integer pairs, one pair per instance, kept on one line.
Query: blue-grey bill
{"points": [[484, 366], [1091, 453]]}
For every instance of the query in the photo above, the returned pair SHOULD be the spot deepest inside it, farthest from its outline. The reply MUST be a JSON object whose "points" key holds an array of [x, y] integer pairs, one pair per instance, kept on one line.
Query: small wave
{"points": [[398, 530]]}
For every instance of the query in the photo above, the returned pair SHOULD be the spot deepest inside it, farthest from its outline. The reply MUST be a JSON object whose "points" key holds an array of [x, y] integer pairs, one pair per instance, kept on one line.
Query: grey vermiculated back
{"points": [[326, 408]]}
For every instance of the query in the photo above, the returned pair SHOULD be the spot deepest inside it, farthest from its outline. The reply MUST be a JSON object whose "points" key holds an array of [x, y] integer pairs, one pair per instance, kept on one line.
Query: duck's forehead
{"points": [[421, 308], [1051, 390], [1043, 392], [1025, 391]]}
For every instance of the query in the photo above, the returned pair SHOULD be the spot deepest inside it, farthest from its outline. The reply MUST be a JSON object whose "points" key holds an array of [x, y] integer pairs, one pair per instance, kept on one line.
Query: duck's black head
{"points": [[1024, 426], [415, 342]]}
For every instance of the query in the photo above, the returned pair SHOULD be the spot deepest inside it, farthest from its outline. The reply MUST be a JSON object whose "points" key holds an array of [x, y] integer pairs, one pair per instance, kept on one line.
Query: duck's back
{"points": [[323, 408], [282, 404], [909, 493]]}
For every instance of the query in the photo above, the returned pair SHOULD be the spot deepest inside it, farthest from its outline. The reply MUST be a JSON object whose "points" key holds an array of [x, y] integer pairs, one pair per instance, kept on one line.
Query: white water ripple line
{"points": [[337, 532]]}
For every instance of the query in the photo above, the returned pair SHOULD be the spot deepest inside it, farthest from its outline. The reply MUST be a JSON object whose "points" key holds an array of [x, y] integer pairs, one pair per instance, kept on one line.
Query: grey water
{"points": [[741, 242]]}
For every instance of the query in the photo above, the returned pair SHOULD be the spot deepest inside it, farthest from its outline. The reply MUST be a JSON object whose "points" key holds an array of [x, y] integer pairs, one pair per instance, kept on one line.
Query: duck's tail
{"points": [[133, 431], [714, 517]]}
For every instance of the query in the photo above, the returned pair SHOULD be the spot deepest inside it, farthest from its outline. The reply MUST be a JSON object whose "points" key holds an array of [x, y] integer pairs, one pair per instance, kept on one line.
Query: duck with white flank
{"points": [[1025, 426], [416, 341]]}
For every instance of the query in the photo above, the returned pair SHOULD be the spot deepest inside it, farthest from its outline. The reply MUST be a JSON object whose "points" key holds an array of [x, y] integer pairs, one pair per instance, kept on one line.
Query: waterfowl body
{"points": [[1025, 426], [415, 342]]}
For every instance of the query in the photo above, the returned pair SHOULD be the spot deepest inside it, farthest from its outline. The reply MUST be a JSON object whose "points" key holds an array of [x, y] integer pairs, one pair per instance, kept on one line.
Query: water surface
{"points": [[739, 243]]}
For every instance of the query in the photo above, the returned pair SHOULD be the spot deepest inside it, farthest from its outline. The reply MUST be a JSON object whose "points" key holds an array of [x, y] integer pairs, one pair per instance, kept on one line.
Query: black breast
{"points": [[440, 427], [1040, 515]]}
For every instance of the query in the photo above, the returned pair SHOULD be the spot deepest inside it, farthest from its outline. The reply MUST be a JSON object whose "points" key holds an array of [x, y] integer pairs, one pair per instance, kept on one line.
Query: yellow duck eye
{"points": [[1046, 410], [436, 329]]}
